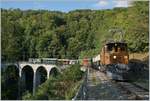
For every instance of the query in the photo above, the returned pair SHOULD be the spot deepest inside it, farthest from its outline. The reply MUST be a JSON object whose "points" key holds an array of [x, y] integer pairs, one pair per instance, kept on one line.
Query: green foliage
{"points": [[139, 27], [27, 95], [9, 84], [64, 86], [70, 93], [72, 73], [44, 33], [89, 53]]}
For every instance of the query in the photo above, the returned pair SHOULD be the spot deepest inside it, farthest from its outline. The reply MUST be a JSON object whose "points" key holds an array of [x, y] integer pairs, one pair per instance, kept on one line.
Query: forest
{"points": [[76, 34]]}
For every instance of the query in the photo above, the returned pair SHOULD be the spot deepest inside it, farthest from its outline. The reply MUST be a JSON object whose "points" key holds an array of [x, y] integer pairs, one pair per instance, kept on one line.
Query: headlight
{"points": [[125, 57], [114, 57]]}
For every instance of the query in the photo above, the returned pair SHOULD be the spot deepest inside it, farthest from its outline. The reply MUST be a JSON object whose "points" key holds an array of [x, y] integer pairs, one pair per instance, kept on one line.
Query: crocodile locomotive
{"points": [[114, 60]]}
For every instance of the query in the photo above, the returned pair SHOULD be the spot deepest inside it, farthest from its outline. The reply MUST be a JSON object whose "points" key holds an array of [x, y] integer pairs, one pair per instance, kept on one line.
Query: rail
{"points": [[82, 92]]}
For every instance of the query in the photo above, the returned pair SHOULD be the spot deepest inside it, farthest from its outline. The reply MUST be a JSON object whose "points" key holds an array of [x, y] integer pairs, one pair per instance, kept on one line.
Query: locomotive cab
{"points": [[113, 53], [114, 59]]}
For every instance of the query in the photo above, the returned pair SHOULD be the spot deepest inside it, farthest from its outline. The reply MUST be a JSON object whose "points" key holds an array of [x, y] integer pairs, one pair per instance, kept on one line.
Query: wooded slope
{"points": [[42, 33]]}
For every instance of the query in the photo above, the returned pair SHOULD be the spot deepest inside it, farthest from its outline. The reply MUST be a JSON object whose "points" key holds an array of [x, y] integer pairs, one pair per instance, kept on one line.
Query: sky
{"points": [[63, 5]]}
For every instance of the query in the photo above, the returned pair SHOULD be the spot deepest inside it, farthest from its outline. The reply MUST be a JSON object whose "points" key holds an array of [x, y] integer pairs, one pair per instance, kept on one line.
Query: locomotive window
{"points": [[123, 47], [109, 47], [116, 48]]}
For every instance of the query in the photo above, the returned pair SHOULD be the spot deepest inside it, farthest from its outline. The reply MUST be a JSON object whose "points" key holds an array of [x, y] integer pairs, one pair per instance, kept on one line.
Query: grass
{"points": [[139, 56]]}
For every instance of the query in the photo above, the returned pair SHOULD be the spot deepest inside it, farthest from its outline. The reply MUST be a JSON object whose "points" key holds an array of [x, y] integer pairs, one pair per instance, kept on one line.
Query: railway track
{"points": [[101, 87], [134, 91]]}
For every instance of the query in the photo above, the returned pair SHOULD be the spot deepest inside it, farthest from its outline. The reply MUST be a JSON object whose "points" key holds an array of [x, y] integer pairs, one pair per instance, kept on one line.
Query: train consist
{"points": [[96, 62], [53, 61], [113, 60]]}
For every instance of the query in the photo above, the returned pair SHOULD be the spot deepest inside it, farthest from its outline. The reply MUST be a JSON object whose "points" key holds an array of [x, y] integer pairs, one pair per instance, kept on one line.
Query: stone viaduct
{"points": [[33, 73]]}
